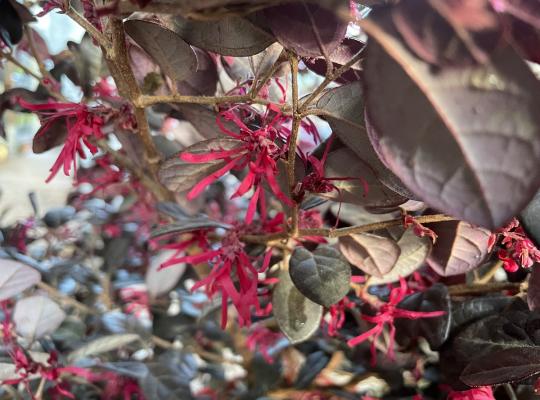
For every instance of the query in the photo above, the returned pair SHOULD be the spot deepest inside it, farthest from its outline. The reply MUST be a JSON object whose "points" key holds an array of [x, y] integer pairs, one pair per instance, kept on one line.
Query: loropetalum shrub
{"points": [[322, 199]]}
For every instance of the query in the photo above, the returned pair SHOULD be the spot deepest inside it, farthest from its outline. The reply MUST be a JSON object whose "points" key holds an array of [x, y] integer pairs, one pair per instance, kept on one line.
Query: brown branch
{"points": [[329, 78], [42, 69], [333, 233], [122, 73], [14, 61], [293, 139], [259, 82], [146, 101], [474, 289], [53, 292], [322, 48], [99, 37]]}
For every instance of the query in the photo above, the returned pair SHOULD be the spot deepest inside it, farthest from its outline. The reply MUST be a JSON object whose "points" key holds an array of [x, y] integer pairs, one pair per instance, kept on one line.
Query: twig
{"points": [[146, 101], [464, 290], [53, 292], [510, 391], [13, 60], [44, 72], [41, 387], [333, 233], [492, 271], [293, 139], [99, 37], [259, 82], [329, 78], [127, 86], [322, 48]]}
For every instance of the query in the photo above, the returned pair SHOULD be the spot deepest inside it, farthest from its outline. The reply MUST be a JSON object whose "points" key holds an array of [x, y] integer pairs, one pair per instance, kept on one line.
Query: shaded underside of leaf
{"points": [[478, 131]]}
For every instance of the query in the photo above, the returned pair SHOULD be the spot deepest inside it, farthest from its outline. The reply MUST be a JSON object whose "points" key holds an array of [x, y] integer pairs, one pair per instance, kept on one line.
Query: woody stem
{"points": [[118, 62], [291, 156]]}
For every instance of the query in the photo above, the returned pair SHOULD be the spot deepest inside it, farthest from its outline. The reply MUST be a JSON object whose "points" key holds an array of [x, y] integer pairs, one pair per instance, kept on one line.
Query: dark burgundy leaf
{"points": [[179, 175], [358, 183], [241, 69], [524, 37], [12, 17], [88, 62], [314, 364], [530, 219], [346, 50], [306, 27], [414, 251], [471, 310], [322, 275], [460, 247], [460, 34], [229, 36], [202, 82], [50, 136], [175, 57], [375, 255], [509, 365], [297, 316], [166, 147], [435, 330], [146, 71], [344, 111], [533, 291], [478, 136]]}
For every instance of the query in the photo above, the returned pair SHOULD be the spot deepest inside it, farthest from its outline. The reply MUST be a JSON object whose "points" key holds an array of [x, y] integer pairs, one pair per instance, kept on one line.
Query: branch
{"points": [[14, 61], [467, 290], [333, 233], [98, 36], [146, 101], [293, 139], [329, 78], [122, 73], [259, 82]]}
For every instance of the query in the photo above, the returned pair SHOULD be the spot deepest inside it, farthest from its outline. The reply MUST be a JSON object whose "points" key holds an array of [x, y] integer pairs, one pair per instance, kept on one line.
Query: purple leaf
{"points": [[202, 82], [240, 69], [178, 175], [509, 365], [373, 254], [306, 28], [175, 57], [354, 175], [323, 276], [460, 247], [297, 316], [344, 111], [413, 254], [340, 56], [229, 36], [533, 291], [435, 330], [464, 140]]}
